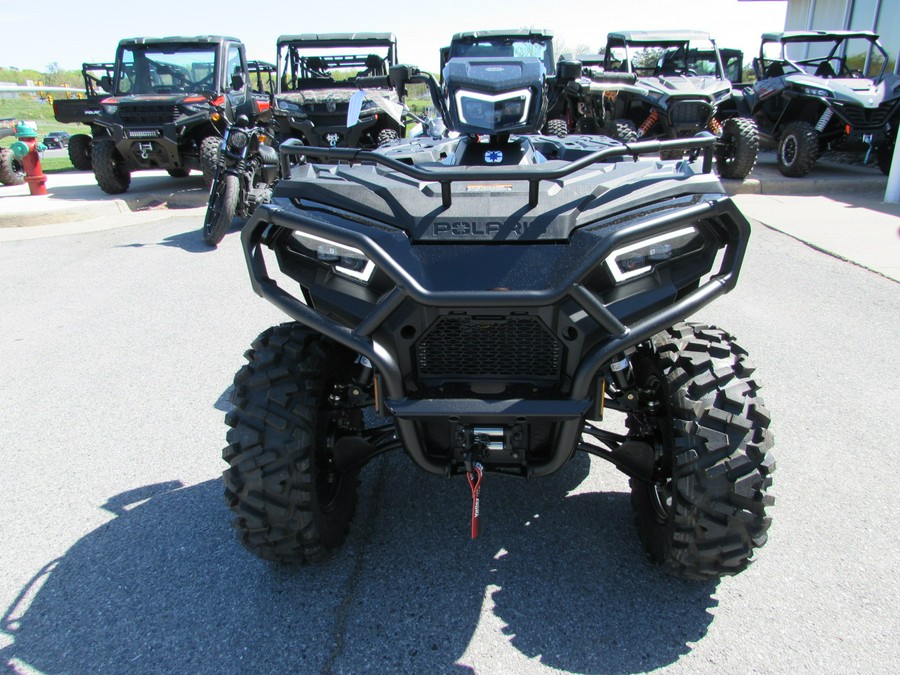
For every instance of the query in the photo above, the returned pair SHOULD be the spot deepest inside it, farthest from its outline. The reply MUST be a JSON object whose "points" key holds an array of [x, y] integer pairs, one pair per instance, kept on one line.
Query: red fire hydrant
{"points": [[28, 150]]}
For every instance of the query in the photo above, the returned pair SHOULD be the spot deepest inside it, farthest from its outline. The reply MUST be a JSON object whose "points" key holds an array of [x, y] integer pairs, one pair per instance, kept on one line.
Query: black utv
{"points": [[98, 79], [317, 79], [491, 304], [166, 107], [824, 90]]}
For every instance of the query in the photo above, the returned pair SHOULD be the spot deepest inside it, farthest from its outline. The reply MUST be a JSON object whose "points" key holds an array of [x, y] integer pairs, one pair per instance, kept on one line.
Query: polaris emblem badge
{"points": [[493, 157], [332, 139]]}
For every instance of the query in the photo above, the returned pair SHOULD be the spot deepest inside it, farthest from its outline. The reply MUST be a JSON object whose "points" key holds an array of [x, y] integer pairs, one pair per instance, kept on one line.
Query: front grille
{"points": [[865, 118], [471, 347], [132, 113], [693, 112]]}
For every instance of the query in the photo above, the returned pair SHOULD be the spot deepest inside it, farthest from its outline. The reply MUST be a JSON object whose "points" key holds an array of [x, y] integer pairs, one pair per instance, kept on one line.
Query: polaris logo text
{"points": [[475, 228]]}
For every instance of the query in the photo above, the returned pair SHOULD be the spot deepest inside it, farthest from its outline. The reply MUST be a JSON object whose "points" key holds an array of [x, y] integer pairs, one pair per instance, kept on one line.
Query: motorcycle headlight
{"points": [[641, 257], [345, 260], [237, 140]]}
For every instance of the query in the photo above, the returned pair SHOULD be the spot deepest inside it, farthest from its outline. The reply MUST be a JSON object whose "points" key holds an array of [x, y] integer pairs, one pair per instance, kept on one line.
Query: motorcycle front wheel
{"points": [[223, 200]]}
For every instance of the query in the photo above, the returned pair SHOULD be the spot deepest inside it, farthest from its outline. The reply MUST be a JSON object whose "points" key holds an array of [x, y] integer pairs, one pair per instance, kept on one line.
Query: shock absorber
{"points": [[714, 126], [648, 123], [824, 120]]}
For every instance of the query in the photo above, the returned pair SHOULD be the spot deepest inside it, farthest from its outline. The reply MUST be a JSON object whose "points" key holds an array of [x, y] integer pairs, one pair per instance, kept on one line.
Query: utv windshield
{"points": [[170, 69], [541, 48], [654, 59], [828, 57]]}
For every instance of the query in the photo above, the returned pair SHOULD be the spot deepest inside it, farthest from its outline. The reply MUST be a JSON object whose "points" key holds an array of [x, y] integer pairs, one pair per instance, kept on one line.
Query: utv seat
{"points": [[825, 70]]}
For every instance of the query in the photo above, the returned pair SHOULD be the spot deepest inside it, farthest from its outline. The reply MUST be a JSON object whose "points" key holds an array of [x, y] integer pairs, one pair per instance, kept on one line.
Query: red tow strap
{"points": [[474, 478]]}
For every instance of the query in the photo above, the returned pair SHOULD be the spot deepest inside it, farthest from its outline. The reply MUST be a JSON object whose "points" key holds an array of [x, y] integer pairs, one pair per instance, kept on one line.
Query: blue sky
{"points": [[69, 33]]}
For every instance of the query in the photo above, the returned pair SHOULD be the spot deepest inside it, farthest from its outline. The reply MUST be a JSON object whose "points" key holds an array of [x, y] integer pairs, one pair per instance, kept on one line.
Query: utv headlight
{"points": [[110, 108], [641, 257], [237, 140], [345, 260], [815, 91], [493, 111]]}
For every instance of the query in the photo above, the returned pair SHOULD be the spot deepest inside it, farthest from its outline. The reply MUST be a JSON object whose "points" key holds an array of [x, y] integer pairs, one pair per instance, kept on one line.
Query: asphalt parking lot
{"points": [[122, 331]]}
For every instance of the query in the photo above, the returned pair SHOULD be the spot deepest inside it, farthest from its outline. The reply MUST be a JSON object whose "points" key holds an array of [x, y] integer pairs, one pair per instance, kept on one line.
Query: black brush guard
{"points": [[376, 242]]}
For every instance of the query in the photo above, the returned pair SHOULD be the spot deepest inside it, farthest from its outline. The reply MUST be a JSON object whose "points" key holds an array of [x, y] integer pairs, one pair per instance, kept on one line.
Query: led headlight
{"points": [[110, 108], [237, 140], [640, 258], [493, 111], [816, 91], [345, 260]]}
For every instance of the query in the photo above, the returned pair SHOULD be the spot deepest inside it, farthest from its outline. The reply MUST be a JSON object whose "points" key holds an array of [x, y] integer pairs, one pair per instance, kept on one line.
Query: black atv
{"points": [[166, 108], [316, 82], [488, 303], [824, 90]]}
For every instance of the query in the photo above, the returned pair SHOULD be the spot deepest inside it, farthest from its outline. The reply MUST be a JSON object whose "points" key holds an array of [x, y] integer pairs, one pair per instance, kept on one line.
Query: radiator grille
{"points": [[865, 118], [147, 114], [514, 347], [696, 113]]}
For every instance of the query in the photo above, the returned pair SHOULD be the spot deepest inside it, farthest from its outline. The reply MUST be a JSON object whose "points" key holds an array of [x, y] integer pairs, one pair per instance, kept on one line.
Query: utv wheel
{"points": [[737, 149], [11, 170], [80, 152], [290, 504], [621, 130], [109, 168], [220, 211], [707, 512], [798, 149], [557, 127], [209, 157], [178, 173], [884, 155], [386, 136]]}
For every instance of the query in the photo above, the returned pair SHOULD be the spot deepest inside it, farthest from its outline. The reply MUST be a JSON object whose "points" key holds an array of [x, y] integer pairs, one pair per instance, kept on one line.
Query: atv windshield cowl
{"points": [[166, 69]]}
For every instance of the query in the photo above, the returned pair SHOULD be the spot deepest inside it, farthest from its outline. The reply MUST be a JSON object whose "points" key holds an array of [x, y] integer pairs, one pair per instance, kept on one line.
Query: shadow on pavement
{"points": [[164, 586]]}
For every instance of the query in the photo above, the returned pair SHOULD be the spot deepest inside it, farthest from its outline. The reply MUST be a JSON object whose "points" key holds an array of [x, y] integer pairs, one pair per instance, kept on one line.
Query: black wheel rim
{"points": [[789, 150]]}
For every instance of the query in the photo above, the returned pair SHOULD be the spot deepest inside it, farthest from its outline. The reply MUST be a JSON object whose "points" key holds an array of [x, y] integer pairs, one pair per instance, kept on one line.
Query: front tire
{"points": [[109, 168], [386, 136], [80, 152], [557, 127], [706, 514], [209, 157], [798, 149], [290, 504], [223, 200], [737, 149], [622, 130], [11, 170]]}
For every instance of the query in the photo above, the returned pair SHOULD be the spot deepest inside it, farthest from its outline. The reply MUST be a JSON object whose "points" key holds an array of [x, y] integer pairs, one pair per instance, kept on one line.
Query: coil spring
{"points": [[714, 126], [648, 123], [824, 120]]}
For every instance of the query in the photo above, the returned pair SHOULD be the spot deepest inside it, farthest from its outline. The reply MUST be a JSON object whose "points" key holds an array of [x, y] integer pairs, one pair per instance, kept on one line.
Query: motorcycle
{"points": [[247, 168]]}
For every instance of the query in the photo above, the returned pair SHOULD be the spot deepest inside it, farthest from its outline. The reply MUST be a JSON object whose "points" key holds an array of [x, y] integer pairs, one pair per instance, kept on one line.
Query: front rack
{"points": [[533, 173]]}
